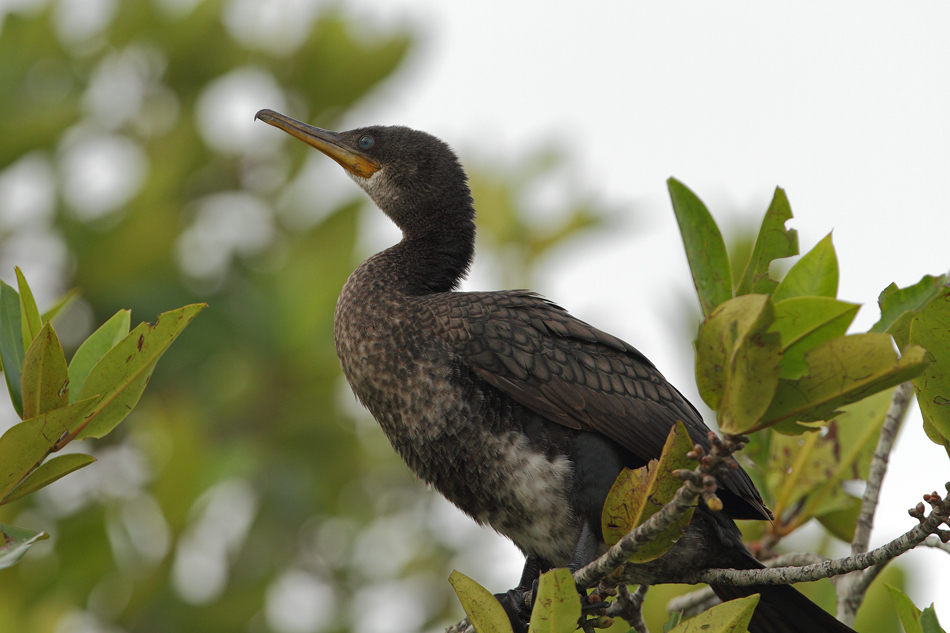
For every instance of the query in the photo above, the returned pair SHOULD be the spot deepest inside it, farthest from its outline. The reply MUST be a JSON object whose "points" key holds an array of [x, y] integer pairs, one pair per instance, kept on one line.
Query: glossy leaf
{"points": [[807, 472], [842, 522], [14, 542], [931, 432], [773, 242], [906, 610], [121, 375], [30, 321], [558, 606], [815, 274], [705, 249], [639, 494], [48, 472], [738, 361], [841, 371], [11, 344], [95, 347], [930, 329], [484, 612], [898, 305], [929, 622], [26, 444], [803, 323], [45, 380], [729, 617]]}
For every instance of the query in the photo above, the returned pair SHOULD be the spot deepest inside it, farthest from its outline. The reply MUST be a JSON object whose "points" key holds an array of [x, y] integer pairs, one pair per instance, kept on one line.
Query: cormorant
{"points": [[518, 413]]}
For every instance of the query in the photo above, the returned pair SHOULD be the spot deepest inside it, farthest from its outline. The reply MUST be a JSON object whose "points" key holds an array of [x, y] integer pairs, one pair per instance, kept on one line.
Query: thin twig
{"points": [[629, 606], [850, 589], [696, 602], [878, 468], [699, 482], [787, 575], [684, 499], [934, 541]]}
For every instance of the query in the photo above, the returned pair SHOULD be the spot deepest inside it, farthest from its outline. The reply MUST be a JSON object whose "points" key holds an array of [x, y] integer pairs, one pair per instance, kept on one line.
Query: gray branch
{"points": [[852, 588], [685, 498], [788, 575], [934, 541], [695, 602]]}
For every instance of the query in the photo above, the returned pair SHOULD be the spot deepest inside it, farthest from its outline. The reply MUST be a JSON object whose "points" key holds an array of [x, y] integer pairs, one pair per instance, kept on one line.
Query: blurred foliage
{"points": [[247, 491]]}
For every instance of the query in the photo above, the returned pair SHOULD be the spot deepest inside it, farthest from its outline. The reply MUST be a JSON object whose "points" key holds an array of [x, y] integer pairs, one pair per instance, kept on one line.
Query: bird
{"points": [[517, 412]]}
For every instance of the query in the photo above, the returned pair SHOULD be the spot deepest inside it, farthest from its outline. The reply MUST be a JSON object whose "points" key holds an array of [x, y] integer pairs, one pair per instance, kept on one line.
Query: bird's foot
{"points": [[518, 603]]}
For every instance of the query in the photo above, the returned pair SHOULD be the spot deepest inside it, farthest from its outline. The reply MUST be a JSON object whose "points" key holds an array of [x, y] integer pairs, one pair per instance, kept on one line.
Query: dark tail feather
{"points": [[782, 609]]}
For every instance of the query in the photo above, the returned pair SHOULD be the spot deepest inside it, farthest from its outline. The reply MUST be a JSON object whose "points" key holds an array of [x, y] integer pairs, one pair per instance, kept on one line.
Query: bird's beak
{"points": [[330, 143]]}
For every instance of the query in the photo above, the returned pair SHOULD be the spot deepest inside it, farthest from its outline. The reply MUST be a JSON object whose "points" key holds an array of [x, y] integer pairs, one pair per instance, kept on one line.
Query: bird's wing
{"points": [[573, 374]]}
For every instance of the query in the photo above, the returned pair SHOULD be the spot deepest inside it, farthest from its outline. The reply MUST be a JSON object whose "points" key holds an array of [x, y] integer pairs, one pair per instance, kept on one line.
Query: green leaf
{"points": [[30, 322], [841, 371], [11, 343], [898, 305], [807, 473], [930, 328], [639, 494], [908, 613], [675, 618], [803, 323], [558, 606], [815, 274], [26, 444], [931, 431], [773, 242], [14, 542], [61, 303], [95, 347], [484, 612], [738, 361], [121, 375], [45, 380], [48, 472], [842, 522], [729, 617], [705, 249], [928, 621]]}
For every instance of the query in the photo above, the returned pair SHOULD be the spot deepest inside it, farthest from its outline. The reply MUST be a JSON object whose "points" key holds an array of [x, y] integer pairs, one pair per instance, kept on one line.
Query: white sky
{"points": [[844, 105]]}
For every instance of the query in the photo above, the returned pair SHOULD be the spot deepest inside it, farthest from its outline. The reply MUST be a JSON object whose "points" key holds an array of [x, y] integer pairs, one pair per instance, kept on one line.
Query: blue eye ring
{"points": [[366, 142]]}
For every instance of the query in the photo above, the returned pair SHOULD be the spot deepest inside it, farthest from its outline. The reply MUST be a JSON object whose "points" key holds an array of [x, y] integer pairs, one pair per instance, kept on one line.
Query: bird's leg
{"points": [[584, 552], [518, 601]]}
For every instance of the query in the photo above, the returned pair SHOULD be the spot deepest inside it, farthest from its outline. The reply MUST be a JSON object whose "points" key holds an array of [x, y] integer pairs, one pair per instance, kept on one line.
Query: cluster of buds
{"points": [[937, 503], [718, 461]]}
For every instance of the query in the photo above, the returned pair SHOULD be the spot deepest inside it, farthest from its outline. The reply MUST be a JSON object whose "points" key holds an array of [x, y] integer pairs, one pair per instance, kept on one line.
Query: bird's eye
{"points": [[366, 142]]}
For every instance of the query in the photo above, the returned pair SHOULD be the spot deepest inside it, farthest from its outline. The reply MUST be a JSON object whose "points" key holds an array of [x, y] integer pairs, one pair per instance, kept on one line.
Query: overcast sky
{"points": [[844, 105]]}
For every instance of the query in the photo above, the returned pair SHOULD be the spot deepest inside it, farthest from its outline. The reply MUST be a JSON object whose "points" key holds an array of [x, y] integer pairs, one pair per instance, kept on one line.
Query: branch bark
{"points": [[787, 575], [851, 589]]}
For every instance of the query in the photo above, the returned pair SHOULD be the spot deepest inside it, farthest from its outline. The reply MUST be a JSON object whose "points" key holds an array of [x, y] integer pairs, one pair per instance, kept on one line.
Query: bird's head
{"points": [[414, 177]]}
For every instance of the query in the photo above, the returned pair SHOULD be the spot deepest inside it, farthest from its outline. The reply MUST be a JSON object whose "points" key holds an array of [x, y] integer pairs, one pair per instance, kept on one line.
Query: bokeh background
{"points": [[248, 491]]}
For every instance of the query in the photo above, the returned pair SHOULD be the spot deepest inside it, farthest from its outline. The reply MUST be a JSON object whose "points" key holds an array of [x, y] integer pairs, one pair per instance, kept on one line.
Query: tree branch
{"points": [[684, 499], [851, 589], [934, 541], [695, 602], [699, 482], [629, 606], [878, 468], [788, 575]]}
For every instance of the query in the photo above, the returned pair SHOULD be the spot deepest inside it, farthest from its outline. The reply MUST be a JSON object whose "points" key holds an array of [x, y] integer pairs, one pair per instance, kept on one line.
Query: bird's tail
{"points": [[782, 609]]}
